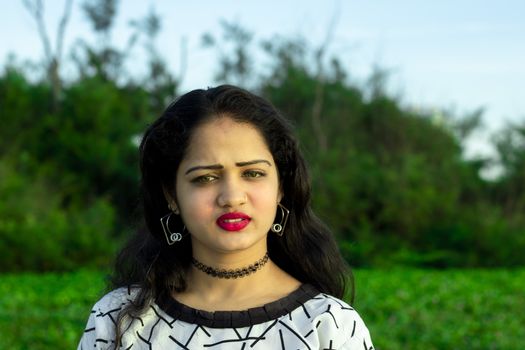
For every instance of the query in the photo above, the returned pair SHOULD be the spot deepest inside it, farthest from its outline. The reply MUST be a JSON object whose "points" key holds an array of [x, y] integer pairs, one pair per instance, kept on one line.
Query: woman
{"points": [[232, 257]]}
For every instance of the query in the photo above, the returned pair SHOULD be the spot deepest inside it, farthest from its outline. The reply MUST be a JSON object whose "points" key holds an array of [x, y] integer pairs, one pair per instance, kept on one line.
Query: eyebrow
{"points": [[219, 166]]}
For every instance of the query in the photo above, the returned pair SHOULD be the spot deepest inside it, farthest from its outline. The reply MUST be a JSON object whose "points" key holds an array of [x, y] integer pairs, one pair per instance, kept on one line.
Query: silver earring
{"points": [[278, 228], [171, 237]]}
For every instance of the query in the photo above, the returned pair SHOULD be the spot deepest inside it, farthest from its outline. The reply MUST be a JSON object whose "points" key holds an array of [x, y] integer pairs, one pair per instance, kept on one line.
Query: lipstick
{"points": [[233, 221]]}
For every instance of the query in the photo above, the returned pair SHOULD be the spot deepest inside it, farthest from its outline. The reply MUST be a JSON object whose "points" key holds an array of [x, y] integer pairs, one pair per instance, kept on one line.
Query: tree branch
{"points": [[319, 89], [62, 29], [36, 9]]}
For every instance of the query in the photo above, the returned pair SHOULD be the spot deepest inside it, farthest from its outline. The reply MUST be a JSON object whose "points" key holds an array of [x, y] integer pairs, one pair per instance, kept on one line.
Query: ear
{"points": [[279, 196], [172, 203]]}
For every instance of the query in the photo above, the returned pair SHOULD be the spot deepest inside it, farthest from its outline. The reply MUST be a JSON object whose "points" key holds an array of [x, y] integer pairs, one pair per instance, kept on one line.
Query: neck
{"points": [[231, 273], [211, 287]]}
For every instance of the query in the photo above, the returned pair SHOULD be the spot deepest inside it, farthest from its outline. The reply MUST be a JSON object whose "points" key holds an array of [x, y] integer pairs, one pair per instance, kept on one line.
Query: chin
{"points": [[239, 244]]}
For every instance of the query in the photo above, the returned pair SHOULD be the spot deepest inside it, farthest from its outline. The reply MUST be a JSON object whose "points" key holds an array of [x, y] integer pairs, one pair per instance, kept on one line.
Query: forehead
{"points": [[223, 139]]}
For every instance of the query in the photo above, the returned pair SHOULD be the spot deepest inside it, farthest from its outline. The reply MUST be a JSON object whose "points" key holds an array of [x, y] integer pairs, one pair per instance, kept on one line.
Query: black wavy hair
{"points": [[307, 250]]}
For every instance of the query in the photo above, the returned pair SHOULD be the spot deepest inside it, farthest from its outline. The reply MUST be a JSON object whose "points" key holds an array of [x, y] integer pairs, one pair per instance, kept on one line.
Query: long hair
{"points": [[307, 250]]}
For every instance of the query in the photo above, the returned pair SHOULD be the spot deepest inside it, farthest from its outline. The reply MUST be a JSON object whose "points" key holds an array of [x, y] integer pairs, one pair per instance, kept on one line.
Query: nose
{"points": [[232, 194]]}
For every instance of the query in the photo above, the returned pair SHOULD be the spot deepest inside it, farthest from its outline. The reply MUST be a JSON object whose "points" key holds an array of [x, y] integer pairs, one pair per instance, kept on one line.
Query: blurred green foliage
{"points": [[403, 308], [46, 311], [392, 182], [430, 309]]}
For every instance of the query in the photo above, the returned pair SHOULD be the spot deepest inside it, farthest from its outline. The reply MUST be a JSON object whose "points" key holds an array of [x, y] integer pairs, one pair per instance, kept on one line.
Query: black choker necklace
{"points": [[235, 273]]}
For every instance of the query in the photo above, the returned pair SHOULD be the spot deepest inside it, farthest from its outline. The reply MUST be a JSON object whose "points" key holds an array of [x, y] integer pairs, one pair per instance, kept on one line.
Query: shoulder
{"points": [[335, 308], [105, 312], [337, 323], [116, 299], [100, 328]]}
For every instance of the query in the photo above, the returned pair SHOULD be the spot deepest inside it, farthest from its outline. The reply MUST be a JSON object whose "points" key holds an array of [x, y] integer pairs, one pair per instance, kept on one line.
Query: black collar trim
{"points": [[235, 319]]}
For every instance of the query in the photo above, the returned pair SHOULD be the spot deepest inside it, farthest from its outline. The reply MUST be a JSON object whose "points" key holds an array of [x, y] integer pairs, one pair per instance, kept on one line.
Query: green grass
{"points": [[46, 311], [458, 309], [404, 308]]}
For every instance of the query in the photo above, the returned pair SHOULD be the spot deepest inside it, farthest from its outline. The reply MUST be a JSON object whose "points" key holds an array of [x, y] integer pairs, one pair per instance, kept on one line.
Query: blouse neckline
{"points": [[235, 319]]}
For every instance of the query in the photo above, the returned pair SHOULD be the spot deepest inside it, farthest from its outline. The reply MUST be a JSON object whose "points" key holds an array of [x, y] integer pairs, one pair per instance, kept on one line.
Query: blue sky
{"points": [[459, 54]]}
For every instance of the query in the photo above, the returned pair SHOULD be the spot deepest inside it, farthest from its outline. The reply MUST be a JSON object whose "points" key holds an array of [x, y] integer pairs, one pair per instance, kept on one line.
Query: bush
{"points": [[38, 233], [46, 311]]}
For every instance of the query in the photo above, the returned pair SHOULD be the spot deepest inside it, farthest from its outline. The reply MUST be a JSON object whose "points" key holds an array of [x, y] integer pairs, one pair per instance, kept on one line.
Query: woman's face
{"points": [[227, 188]]}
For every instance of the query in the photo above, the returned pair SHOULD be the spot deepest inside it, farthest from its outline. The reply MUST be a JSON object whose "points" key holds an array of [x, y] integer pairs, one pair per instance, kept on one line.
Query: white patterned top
{"points": [[305, 319]]}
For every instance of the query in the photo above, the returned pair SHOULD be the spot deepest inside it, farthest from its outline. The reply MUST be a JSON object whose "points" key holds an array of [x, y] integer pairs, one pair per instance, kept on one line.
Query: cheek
{"points": [[197, 203], [265, 198]]}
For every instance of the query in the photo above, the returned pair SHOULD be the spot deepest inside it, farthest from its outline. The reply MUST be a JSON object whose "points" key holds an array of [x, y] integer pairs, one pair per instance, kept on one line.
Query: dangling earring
{"points": [[171, 237], [279, 227]]}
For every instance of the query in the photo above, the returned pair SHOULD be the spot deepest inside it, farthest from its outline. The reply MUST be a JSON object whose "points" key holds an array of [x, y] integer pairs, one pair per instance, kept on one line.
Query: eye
{"points": [[204, 179], [254, 173]]}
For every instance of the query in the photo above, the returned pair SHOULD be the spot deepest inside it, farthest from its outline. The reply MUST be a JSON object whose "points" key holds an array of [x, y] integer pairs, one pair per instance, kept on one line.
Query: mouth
{"points": [[233, 221]]}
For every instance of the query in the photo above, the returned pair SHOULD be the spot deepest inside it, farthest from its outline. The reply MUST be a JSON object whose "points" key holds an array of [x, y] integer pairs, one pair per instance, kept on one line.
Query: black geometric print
{"points": [[297, 335], [366, 346], [331, 314], [304, 322], [330, 347]]}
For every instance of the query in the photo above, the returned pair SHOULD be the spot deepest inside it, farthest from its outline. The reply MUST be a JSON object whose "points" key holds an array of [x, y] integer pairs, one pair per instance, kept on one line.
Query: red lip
{"points": [[235, 225]]}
